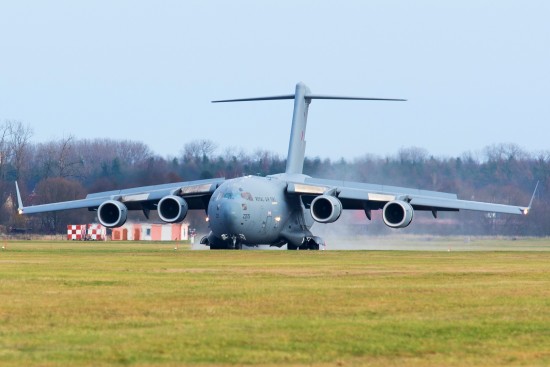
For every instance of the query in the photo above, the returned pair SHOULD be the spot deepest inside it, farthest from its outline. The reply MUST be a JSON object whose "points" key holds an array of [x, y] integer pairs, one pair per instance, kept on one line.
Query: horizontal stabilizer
{"points": [[288, 96], [312, 96], [317, 96]]}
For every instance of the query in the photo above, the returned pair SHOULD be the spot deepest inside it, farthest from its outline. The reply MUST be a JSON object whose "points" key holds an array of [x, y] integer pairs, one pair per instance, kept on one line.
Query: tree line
{"points": [[69, 168]]}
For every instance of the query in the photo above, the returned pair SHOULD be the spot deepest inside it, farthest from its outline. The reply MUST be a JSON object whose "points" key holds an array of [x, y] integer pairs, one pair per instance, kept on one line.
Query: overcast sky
{"points": [[475, 73]]}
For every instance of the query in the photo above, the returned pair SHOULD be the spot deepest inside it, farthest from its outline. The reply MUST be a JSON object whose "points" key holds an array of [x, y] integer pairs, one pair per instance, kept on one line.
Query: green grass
{"points": [[100, 304]]}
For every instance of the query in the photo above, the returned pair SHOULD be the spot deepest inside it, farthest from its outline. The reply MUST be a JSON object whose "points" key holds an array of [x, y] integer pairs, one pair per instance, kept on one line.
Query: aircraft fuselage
{"points": [[250, 210]]}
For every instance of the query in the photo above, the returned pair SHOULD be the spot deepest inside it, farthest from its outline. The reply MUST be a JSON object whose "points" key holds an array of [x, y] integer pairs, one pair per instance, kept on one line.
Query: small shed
{"points": [[151, 232]]}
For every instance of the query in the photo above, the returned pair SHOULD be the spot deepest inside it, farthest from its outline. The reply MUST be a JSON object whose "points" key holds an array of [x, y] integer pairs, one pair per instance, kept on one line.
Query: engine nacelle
{"points": [[397, 214], [326, 209], [172, 209], [112, 214]]}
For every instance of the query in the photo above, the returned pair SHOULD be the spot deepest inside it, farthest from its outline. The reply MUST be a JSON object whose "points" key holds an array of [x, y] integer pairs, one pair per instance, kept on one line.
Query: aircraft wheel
{"points": [[215, 247], [219, 246], [313, 246]]}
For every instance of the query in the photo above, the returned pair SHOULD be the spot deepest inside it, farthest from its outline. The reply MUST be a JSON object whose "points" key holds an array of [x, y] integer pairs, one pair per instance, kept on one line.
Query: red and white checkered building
{"points": [[81, 232], [76, 232], [96, 232]]}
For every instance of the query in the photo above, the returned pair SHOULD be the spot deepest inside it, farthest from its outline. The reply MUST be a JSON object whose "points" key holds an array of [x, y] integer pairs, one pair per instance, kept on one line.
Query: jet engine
{"points": [[326, 209], [172, 209], [397, 214], [112, 213]]}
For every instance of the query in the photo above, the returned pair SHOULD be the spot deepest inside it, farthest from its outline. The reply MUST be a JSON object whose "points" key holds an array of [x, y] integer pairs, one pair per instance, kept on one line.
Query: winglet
{"points": [[19, 201], [526, 210]]}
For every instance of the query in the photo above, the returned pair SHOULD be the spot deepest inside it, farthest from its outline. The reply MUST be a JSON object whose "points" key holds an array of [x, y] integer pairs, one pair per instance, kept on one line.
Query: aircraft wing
{"points": [[363, 196], [196, 194]]}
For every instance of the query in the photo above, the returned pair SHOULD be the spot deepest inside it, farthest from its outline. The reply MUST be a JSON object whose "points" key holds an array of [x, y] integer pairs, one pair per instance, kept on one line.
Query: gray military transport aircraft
{"points": [[276, 210]]}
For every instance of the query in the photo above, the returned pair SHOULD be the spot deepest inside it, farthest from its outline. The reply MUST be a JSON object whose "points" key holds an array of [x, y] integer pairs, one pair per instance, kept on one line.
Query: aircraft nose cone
{"points": [[229, 209], [231, 214]]}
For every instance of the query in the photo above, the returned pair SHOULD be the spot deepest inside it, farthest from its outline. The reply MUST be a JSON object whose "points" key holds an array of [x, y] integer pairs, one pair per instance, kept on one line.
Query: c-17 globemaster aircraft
{"points": [[276, 210]]}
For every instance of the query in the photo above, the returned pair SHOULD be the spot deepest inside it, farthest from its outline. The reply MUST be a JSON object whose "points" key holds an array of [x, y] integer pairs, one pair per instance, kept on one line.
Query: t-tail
{"points": [[302, 98]]}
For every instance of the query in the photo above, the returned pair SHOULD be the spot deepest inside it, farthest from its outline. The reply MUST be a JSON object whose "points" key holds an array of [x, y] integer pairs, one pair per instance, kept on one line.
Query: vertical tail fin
{"points": [[297, 144]]}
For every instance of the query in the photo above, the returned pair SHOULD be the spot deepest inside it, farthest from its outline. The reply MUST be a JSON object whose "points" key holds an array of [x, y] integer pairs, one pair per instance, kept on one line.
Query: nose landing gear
{"points": [[237, 244]]}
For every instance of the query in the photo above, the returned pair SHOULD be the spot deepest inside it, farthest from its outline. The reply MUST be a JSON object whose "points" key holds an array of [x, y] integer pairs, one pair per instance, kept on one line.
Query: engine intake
{"points": [[326, 209], [172, 209], [112, 214], [398, 214]]}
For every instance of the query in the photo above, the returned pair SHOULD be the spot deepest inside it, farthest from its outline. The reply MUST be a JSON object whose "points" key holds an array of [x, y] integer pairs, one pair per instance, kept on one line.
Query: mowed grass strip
{"points": [[71, 304]]}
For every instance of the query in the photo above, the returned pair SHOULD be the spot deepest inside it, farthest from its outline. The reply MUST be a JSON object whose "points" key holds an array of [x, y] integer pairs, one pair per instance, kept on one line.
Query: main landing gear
{"points": [[309, 243], [234, 243], [215, 243]]}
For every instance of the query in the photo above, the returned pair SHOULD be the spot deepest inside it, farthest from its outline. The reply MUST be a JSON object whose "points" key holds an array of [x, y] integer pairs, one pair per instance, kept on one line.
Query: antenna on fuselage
{"points": [[302, 98]]}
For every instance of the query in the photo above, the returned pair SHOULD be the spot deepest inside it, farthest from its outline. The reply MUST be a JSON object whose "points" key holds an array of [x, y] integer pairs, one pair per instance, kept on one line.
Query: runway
{"points": [[424, 243]]}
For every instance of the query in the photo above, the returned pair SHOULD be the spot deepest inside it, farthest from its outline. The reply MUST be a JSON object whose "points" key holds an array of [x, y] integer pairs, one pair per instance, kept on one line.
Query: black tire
{"points": [[313, 246], [214, 247], [218, 246]]}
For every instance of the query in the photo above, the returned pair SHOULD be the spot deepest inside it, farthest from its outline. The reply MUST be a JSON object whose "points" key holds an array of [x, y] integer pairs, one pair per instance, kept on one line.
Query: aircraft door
{"points": [[268, 223]]}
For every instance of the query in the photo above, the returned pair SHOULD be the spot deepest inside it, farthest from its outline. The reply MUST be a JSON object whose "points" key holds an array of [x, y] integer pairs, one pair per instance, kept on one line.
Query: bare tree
{"points": [[5, 153], [59, 159], [412, 155], [199, 149], [19, 145], [132, 152], [55, 190], [14, 139]]}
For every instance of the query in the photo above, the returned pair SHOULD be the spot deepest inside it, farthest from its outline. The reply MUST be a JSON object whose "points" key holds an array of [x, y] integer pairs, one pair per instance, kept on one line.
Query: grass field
{"points": [[100, 304]]}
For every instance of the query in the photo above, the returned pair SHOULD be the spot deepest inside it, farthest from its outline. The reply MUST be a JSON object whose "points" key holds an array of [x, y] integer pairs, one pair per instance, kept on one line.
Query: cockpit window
{"points": [[233, 191], [229, 195]]}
